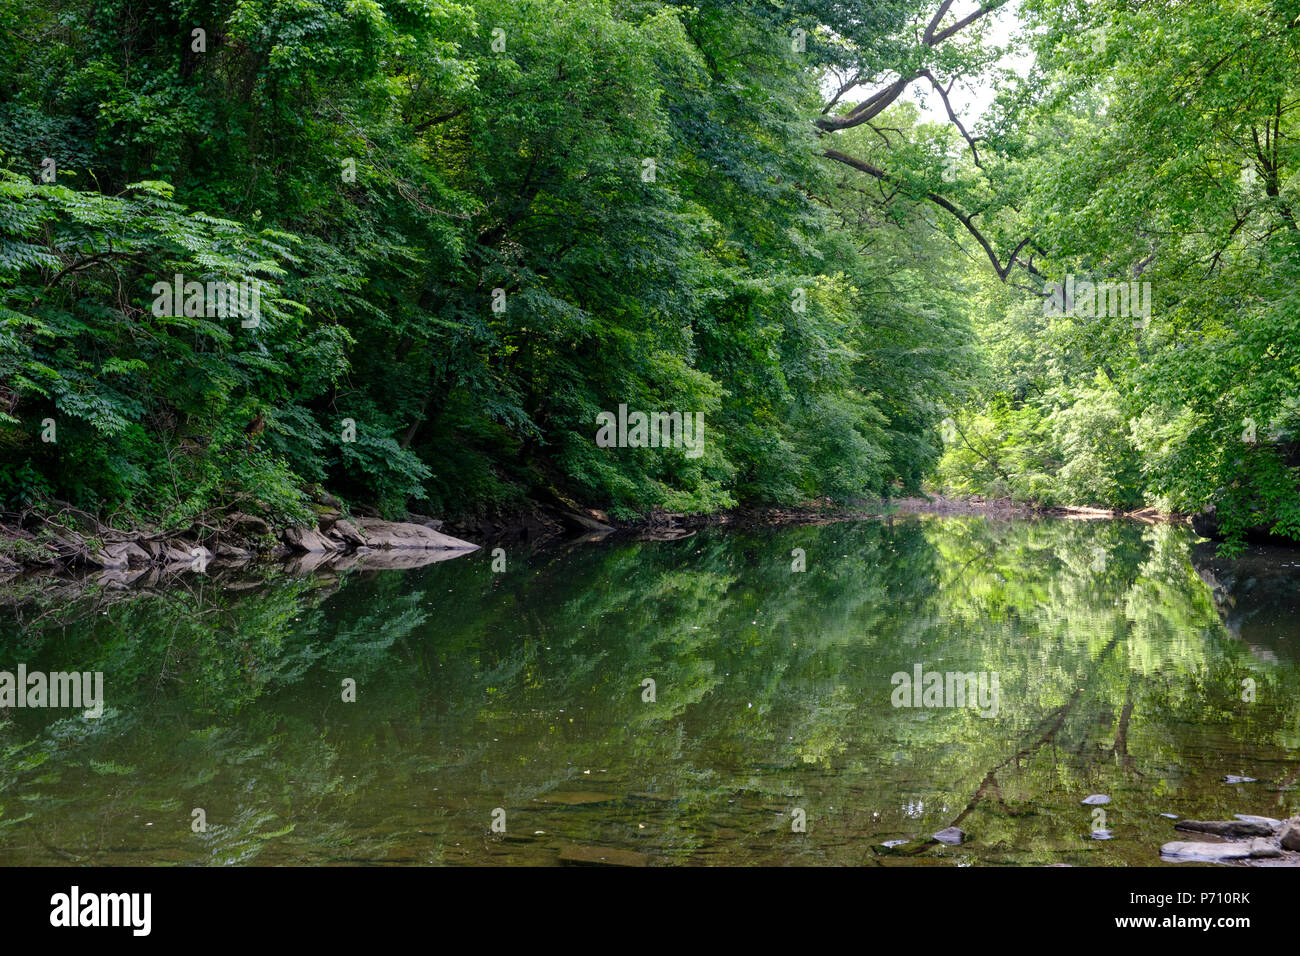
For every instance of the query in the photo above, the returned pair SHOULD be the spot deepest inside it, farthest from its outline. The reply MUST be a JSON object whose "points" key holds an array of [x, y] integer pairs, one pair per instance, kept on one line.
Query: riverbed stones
{"points": [[602, 856], [951, 836], [128, 551], [231, 553], [1290, 835], [166, 552], [575, 798], [1226, 828], [247, 524], [1219, 852], [1252, 818], [118, 555]]}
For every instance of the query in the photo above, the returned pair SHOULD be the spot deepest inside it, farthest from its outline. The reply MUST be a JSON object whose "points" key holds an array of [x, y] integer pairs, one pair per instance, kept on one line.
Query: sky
{"points": [[971, 100]]}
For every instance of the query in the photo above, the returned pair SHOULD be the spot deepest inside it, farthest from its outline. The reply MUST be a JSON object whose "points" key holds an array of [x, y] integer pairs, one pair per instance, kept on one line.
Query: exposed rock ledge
{"points": [[77, 541], [372, 533]]}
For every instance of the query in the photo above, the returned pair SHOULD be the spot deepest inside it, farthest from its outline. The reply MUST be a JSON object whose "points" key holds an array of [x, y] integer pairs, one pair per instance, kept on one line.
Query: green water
{"points": [[520, 697]]}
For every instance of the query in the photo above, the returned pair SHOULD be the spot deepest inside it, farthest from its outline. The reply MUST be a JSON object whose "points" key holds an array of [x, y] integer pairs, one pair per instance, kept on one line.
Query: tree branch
{"points": [[943, 203]]}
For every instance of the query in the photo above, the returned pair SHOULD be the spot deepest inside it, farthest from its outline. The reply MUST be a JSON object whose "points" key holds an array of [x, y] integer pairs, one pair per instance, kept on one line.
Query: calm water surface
{"points": [[522, 696]]}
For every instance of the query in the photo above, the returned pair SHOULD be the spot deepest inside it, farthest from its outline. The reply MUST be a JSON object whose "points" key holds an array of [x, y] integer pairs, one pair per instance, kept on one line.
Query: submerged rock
{"points": [[1233, 778], [602, 856], [1226, 828], [1251, 818], [952, 836], [1219, 852], [1096, 799], [575, 798]]}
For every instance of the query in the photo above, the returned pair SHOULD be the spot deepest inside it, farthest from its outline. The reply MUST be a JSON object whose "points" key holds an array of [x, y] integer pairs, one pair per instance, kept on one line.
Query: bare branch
{"points": [[952, 115], [963, 23]]}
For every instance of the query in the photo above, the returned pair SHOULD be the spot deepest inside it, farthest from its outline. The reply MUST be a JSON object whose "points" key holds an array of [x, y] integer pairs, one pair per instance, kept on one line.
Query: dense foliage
{"points": [[478, 225], [481, 224], [1151, 145]]}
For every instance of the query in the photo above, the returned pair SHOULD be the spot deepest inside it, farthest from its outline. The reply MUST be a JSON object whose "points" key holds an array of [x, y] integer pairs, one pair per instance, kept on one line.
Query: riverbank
{"points": [[549, 521], [69, 541]]}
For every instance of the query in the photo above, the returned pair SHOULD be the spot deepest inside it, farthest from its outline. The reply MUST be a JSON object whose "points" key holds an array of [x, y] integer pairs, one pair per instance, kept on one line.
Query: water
{"points": [[521, 698]]}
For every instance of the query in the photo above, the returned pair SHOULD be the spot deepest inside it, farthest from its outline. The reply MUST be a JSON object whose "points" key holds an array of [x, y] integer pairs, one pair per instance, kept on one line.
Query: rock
{"points": [[1251, 818], [325, 517], [69, 545], [102, 559], [952, 836], [899, 847], [228, 552], [1097, 799], [394, 534], [1101, 834], [1290, 834], [1218, 852], [1171, 816], [247, 524], [309, 540], [127, 553], [575, 798], [348, 532], [1232, 778], [1206, 522], [323, 497], [166, 552], [433, 524], [1226, 828], [576, 519], [602, 856]]}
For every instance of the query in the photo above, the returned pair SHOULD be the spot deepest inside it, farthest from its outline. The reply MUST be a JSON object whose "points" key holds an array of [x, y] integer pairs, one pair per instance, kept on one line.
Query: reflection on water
{"points": [[522, 697]]}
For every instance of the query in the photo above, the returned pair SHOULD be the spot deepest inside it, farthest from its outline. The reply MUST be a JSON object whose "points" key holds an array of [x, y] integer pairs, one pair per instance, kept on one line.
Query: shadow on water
{"points": [[522, 698]]}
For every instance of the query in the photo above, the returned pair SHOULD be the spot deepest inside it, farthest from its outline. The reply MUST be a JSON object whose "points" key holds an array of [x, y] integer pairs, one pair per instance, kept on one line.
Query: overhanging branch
{"points": [[943, 203]]}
